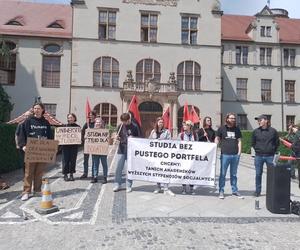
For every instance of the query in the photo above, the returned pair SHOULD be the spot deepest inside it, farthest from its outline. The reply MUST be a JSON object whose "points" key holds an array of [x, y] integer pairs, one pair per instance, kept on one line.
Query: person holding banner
{"points": [[188, 135], [89, 124], [125, 130], [160, 133], [70, 152], [37, 127], [229, 136], [99, 123], [206, 133]]}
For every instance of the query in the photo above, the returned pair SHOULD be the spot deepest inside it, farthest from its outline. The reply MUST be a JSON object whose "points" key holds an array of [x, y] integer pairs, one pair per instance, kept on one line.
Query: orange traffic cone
{"points": [[46, 206]]}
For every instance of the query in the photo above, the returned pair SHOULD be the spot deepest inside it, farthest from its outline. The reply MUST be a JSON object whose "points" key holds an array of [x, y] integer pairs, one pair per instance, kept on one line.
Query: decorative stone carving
{"points": [[152, 86], [172, 79], [129, 81], [216, 6], [172, 3]]}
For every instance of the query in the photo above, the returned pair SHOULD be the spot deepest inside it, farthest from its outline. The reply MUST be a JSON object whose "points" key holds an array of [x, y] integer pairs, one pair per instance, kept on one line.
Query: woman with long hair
{"points": [[161, 133], [206, 133]]}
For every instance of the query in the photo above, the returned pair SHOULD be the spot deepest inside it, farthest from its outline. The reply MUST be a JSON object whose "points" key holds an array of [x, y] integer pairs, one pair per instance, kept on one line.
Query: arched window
{"points": [[108, 113], [188, 75], [7, 63], [58, 24], [106, 72], [14, 22], [147, 69], [180, 115], [51, 66]]}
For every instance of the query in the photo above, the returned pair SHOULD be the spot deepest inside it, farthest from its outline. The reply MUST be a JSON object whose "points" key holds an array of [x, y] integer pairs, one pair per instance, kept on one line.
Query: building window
{"points": [[241, 89], [108, 113], [290, 119], [106, 72], [241, 55], [147, 69], [51, 66], [289, 57], [107, 24], [242, 121], [149, 27], [50, 108], [189, 29], [265, 56], [8, 63], [290, 91], [266, 90], [189, 75], [265, 31], [56, 25], [180, 116]]}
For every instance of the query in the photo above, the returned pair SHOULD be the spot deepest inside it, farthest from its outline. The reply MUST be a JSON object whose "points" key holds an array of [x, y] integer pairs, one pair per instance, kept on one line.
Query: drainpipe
{"points": [[282, 88], [71, 60]]}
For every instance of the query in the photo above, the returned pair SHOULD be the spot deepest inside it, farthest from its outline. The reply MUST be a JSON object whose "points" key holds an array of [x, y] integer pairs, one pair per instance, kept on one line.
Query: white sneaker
{"points": [[128, 189], [116, 188], [157, 190], [221, 196], [169, 192], [25, 197]]}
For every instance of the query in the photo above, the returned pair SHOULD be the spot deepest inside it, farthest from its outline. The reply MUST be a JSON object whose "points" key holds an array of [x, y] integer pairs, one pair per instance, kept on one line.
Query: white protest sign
{"points": [[96, 141], [172, 161], [68, 135]]}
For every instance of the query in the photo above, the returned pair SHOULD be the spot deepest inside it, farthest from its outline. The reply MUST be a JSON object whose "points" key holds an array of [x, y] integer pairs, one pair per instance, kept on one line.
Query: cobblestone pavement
{"points": [[91, 216]]}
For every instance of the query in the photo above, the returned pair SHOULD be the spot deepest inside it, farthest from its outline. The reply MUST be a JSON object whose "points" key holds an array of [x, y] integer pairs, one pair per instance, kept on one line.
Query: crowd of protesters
{"points": [[265, 142]]}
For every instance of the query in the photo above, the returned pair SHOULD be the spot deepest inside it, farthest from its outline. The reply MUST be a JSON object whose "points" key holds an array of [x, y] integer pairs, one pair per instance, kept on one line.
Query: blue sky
{"points": [[243, 7]]}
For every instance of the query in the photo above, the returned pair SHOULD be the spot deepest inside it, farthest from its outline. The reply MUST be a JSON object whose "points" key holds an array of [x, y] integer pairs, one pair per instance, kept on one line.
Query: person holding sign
{"points": [[89, 124], [70, 152], [229, 136], [99, 123], [160, 133], [125, 130], [188, 135], [206, 133], [36, 127]]}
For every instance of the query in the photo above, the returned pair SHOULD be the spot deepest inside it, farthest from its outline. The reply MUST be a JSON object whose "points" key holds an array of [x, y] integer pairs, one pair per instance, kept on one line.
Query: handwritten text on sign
{"points": [[68, 135], [40, 150], [96, 141], [167, 161]]}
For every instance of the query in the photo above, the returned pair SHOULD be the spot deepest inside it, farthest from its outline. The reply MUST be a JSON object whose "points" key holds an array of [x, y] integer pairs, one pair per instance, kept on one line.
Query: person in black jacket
{"points": [[70, 152], [265, 141], [36, 127], [125, 130], [206, 133], [89, 124]]}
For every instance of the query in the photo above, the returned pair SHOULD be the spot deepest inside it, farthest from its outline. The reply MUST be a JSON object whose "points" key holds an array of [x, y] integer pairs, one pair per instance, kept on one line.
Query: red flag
{"points": [[286, 143], [133, 107], [167, 119], [194, 116], [186, 113], [87, 110]]}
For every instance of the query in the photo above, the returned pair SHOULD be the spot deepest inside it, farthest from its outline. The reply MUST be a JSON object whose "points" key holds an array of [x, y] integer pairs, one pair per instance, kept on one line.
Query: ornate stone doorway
{"points": [[149, 111]]}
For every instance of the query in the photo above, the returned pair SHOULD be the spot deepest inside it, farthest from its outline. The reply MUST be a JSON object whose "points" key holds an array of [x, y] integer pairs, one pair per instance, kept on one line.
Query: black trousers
{"points": [[69, 158]]}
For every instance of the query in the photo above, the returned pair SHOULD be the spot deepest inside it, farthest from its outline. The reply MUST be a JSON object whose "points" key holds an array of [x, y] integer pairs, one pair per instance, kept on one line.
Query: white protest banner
{"points": [[68, 135], [96, 141], [172, 161], [40, 150]]}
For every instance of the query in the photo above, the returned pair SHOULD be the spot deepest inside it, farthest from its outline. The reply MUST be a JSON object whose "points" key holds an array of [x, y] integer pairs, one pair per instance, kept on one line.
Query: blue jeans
{"points": [[95, 165], [86, 163], [121, 158], [233, 161], [259, 163]]}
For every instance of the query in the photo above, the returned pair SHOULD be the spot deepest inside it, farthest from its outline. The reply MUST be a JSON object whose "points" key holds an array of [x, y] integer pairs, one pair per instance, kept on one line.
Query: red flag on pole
{"points": [[186, 113], [167, 119], [133, 107], [87, 110], [194, 116]]}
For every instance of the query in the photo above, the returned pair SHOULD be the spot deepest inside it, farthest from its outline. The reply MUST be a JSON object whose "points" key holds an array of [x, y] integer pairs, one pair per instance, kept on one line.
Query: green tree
{"points": [[5, 105]]}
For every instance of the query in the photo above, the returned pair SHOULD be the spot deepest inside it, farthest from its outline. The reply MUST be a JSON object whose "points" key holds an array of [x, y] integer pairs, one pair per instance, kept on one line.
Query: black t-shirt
{"points": [[229, 139], [211, 134]]}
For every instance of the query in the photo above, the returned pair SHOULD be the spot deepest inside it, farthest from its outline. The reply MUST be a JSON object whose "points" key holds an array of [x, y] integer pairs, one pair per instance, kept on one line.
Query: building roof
{"points": [[234, 28], [34, 19]]}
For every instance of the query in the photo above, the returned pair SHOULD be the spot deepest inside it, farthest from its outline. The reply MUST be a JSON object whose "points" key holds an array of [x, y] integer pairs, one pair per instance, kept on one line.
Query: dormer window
{"points": [[56, 25], [265, 31], [14, 22]]}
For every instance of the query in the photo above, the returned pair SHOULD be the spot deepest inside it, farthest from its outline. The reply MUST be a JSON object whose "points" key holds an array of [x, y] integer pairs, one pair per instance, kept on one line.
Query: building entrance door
{"points": [[149, 111]]}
